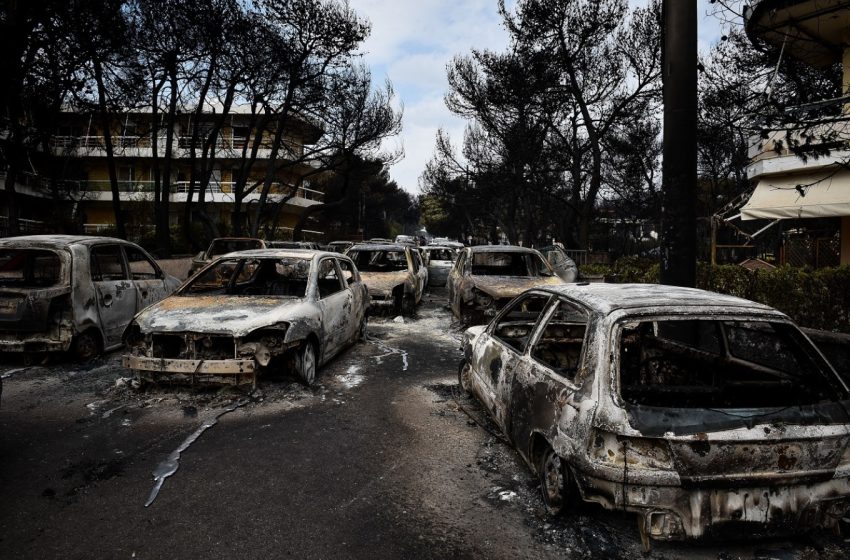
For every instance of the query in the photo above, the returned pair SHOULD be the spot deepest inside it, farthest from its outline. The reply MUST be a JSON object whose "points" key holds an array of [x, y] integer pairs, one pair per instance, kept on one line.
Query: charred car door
{"points": [[499, 353], [561, 263], [548, 393], [453, 281], [147, 277], [359, 293], [116, 294], [335, 300]]}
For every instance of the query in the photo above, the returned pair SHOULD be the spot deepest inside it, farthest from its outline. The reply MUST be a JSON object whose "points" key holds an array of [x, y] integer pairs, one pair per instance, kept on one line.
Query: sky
{"points": [[411, 43]]}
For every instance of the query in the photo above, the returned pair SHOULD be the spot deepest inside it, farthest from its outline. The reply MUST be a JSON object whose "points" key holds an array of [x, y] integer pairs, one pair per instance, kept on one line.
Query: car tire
{"points": [[305, 363], [464, 370], [86, 346], [556, 485]]}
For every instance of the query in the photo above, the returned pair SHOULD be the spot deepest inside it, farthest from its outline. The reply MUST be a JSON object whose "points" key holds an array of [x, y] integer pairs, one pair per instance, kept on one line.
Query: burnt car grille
{"points": [[169, 346], [215, 347], [193, 346]]}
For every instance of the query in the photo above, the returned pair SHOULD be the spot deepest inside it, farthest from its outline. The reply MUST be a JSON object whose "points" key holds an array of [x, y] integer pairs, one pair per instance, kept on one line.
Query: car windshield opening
{"points": [[29, 268], [379, 260], [280, 277], [722, 364], [508, 264]]}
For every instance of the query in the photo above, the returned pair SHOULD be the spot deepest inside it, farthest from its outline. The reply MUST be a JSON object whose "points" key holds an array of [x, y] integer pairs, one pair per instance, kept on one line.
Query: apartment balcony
{"points": [[801, 172], [216, 192], [226, 147], [803, 147]]}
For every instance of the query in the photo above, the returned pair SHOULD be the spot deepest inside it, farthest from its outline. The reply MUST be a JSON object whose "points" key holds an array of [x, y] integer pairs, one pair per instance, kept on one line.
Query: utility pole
{"points": [[679, 170]]}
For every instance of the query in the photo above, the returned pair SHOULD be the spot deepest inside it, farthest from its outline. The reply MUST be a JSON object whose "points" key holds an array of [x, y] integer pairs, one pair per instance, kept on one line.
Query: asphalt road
{"points": [[380, 460]]}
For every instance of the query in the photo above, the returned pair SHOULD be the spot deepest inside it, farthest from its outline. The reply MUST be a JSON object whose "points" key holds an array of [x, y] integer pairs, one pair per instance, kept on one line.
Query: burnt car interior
{"points": [[285, 277], [379, 261], [561, 339], [508, 264], [29, 268], [722, 364]]}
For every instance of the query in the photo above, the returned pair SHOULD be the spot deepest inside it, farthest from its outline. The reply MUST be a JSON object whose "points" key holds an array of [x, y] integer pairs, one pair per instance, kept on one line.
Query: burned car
{"points": [[248, 312], [485, 277], [703, 414], [221, 246], [440, 260], [63, 293], [395, 275]]}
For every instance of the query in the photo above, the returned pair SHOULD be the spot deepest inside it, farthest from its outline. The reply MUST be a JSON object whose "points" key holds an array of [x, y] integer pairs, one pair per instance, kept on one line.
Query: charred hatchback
{"points": [[73, 293], [698, 412], [248, 312]]}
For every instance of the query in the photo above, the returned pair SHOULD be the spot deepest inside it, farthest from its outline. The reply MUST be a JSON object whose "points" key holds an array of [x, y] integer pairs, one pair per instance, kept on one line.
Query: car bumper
{"points": [[36, 342], [228, 372], [678, 512]]}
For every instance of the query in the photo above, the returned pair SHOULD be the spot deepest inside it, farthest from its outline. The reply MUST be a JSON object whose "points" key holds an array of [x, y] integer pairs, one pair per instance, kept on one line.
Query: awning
{"points": [[816, 195]]}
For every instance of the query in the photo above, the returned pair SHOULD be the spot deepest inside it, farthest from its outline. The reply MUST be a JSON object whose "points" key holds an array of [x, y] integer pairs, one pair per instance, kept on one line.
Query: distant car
{"points": [[222, 246], [250, 312], [440, 260], [63, 293], [405, 239], [339, 246], [309, 245], [561, 263], [381, 240], [696, 411], [446, 242], [485, 277], [395, 275]]}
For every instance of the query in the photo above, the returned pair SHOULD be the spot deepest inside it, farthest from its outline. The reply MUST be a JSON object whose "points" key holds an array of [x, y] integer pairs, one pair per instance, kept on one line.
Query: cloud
{"points": [[411, 43]]}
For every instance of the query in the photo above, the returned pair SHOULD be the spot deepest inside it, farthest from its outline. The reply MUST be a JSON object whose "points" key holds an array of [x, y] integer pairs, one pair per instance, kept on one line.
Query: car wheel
{"points": [[555, 483], [86, 346], [305, 363], [464, 370]]}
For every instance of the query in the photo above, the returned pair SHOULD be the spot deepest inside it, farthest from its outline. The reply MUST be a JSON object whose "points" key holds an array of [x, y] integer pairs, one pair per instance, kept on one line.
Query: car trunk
{"points": [[33, 284]]}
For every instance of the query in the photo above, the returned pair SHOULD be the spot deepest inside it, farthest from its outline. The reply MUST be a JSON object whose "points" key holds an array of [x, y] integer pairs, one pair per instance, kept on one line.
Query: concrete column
{"points": [[845, 240]]}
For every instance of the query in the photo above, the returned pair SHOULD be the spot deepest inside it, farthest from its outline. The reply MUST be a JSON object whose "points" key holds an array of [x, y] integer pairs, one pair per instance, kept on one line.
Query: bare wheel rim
{"points": [[308, 363], [463, 376], [553, 480]]}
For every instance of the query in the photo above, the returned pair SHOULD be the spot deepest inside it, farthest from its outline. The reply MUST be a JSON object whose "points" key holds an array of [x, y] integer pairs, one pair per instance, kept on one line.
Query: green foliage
{"points": [[819, 299]]}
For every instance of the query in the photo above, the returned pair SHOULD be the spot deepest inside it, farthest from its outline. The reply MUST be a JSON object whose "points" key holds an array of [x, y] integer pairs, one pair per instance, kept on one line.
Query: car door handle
{"points": [[107, 300]]}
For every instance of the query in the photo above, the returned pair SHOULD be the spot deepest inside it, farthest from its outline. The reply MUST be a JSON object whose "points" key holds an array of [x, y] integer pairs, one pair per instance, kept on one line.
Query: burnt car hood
{"points": [[384, 281], [499, 287], [233, 315]]}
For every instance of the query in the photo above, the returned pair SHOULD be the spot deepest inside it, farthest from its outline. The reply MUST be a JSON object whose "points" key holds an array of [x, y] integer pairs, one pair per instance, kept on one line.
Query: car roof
{"points": [[283, 253], [58, 241], [380, 247], [604, 298], [429, 247], [501, 249]]}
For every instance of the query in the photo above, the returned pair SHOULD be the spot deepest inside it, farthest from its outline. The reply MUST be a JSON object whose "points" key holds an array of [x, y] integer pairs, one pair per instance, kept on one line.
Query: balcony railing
{"points": [[233, 144], [182, 187]]}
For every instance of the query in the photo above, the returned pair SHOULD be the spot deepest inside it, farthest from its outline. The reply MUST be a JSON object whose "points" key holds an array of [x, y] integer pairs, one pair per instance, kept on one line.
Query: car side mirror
{"points": [[349, 280], [199, 256]]}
